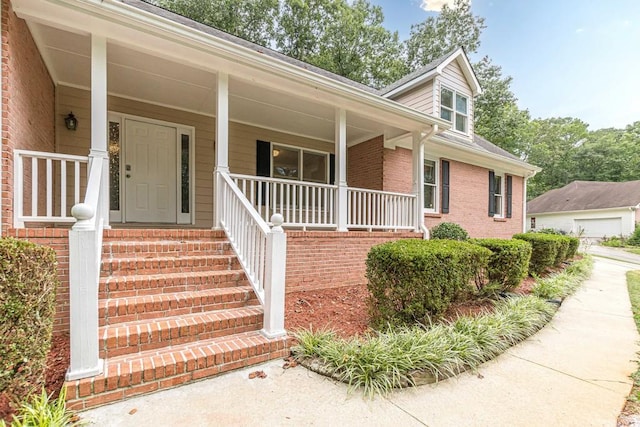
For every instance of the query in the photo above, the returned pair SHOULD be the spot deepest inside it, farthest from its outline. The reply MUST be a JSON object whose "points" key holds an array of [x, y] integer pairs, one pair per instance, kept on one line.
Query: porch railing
{"points": [[46, 185], [376, 210], [260, 250], [301, 204]]}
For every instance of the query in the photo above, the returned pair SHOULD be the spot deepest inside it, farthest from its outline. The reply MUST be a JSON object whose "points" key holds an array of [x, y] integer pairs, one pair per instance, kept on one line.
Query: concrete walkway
{"points": [[575, 372], [613, 253]]}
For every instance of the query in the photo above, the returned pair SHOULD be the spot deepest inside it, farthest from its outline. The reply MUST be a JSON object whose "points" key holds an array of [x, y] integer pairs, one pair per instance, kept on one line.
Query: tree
{"points": [[435, 37], [496, 113]]}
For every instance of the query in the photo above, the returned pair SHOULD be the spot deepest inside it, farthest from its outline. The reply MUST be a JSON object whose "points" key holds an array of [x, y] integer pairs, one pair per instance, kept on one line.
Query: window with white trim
{"points": [[430, 184], [299, 164], [498, 192], [454, 107]]}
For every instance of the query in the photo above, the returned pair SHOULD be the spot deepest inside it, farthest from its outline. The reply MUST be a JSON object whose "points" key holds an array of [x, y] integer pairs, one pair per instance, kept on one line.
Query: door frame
{"points": [[119, 216]]}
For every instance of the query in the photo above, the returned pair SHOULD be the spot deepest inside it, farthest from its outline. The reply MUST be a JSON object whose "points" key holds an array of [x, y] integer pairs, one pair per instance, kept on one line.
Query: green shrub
{"points": [[411, 280], [449, 231], [613, 241], [508, 264], [563, 249], [42, 410], [544, 249], [550, 231], [27, 296], [574, 244], [634, 239]]}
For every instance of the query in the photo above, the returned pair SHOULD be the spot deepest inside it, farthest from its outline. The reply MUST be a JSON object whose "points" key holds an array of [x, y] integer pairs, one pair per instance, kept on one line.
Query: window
{"points": [[458, 116], [430, 185], [299, 164], [497, 194]]}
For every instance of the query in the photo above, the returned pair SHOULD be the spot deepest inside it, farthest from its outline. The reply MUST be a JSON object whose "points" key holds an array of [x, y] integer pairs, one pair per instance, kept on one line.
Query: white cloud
{"points": [[580, 30], [435, 5]]}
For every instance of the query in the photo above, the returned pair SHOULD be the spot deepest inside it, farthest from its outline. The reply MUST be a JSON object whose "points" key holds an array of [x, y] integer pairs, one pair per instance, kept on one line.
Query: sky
{"points": [[568, 58]]}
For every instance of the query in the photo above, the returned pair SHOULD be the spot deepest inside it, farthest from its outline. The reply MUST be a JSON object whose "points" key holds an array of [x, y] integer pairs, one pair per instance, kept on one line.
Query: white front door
{"points": [[150, 172]]}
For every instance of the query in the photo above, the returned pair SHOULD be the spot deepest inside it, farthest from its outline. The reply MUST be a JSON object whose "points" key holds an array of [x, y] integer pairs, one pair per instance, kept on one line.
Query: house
{"points": [[188, 179], [587, 208]]}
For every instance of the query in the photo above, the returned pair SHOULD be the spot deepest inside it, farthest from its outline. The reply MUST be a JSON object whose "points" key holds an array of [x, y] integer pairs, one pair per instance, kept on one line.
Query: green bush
{"points": [[550, 231], [574, 244], [634, 239], [563, 249], [508, 264], [544, 249], [27, 297], [449, 231], [613, 241], [411, 280]]}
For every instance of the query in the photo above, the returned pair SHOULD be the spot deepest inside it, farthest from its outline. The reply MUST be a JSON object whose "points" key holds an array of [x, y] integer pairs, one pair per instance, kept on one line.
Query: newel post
{"points": [[275, 268], [84, 267]]}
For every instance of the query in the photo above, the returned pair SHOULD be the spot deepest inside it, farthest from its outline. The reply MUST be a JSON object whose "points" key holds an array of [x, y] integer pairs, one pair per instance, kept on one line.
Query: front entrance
{"points": [[151, 171]]}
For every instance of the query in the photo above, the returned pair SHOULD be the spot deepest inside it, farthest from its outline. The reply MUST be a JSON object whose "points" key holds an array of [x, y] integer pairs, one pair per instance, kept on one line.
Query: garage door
{"points": [[600, 227]]}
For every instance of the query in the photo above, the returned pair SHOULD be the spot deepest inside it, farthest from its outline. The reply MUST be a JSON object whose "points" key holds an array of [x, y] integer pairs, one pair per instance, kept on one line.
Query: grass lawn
{"points": [[633, 251], [632, 406]]}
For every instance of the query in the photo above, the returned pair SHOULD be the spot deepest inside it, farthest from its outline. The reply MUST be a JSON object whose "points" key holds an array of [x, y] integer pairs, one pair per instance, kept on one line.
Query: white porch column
{"points": [[274, 286], [99, 119], [418, 179], [341, 168], [222, 142]]}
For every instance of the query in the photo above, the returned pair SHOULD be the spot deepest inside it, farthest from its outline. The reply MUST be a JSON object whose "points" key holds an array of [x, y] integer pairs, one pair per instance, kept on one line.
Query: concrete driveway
{"points": [[612, 253]]}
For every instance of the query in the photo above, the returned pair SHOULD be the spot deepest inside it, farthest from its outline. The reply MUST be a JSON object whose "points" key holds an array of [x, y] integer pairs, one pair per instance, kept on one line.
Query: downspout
{"points": [[423, 141], [524, 200]]}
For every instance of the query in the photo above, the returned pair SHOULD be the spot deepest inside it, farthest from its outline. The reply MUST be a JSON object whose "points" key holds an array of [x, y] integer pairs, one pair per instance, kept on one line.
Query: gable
{"points": [[419, 98]]}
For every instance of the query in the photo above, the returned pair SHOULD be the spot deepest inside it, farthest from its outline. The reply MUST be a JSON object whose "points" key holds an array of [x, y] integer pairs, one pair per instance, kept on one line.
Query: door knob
{"points": [[127, 168]]}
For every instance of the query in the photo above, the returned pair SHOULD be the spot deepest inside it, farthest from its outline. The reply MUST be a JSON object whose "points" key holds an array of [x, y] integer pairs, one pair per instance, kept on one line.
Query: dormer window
{"points": [[458, 116]]}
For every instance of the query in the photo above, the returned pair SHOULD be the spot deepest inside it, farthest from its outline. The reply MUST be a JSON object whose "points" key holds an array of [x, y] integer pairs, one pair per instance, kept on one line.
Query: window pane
{"points": [[429, 172], [461, 123], [498, 185], [285, 163], [184, 173], [429, 196], [498, 205], [461, 104], [446, 114], [446, 98], [314, 167], [114, 166]]}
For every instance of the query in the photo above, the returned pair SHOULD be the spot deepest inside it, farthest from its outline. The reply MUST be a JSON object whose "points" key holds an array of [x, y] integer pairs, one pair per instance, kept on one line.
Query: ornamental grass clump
{"points": [[411, 281], [561, 285]]}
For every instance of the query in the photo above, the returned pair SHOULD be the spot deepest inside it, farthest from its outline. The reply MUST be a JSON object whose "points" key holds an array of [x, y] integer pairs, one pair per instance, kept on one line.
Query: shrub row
{"points": [[411, 280], [548, 250], [508, 264], [28, 283]]}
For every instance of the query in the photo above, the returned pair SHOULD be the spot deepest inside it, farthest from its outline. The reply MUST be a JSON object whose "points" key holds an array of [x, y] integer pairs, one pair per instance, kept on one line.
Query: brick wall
{"points": [[58, 239], [398, 170], [319, 259], [364, 164], [28, 102], [469, 203]]}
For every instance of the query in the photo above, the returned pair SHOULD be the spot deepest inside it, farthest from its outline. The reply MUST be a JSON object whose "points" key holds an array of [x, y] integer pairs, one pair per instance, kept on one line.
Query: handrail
{"points": [[380, 210]]}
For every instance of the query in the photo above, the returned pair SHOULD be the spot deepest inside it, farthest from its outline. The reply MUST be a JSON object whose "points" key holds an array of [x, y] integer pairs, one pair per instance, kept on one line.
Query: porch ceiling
{"points": [[135, 74]]}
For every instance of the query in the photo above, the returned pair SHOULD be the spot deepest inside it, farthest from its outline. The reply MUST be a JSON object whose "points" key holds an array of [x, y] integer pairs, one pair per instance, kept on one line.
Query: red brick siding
{"points": [[364, 164], [28, 101], [469, 203], [58, 239], [318, 259], [398, 170]]}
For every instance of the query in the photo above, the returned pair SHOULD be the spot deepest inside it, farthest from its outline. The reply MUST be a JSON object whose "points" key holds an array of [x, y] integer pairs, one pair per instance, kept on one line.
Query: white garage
{"points": [[587, 208], [599, 227]]}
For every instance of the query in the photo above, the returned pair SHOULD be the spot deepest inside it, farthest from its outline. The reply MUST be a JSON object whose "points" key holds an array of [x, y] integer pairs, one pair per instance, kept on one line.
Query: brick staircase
{"points": [[174, 306]]}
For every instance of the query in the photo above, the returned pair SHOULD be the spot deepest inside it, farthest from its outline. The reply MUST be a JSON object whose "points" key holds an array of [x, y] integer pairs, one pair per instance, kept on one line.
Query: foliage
{"points": [[633, 285], [550, 231], [633, 251], [561, 285], [574, 244], [544, 249], [508, 264], [28, 285], [412, 280], [450, 231], [634, 239], [433, 38], [42, 411], [563, 249], [614, 241]]}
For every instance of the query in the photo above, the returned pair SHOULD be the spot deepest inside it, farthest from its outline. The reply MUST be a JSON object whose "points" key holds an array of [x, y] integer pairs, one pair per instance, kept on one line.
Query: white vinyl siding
{"points": [[419, 98]]}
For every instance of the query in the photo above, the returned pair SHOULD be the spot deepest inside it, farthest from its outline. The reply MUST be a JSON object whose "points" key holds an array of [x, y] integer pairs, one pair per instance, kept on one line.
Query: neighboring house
{"points": [[588, 209], [188, 149]]}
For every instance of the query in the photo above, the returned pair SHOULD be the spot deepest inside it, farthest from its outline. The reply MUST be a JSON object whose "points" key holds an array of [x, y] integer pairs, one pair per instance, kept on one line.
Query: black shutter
{"points": [[492, 194], [445, 186], [263, 158], [509, 195], [332, 169]]}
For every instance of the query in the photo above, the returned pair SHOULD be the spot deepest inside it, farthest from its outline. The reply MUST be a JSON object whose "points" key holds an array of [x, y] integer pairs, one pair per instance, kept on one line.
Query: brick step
{"points": [[128, 309], [163, 248], [136, 285], [150, 234], [167, 264], [149, 371], [143, 335]]}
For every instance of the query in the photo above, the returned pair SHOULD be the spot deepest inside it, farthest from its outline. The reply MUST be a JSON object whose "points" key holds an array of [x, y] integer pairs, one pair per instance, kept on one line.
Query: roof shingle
{"points": [[587, 195]]}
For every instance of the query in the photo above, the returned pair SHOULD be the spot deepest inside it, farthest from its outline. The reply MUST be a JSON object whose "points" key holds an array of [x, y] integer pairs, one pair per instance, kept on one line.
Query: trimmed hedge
{"points": [[574, 244], [508, 264], [412, 280], [544, 249], [563, 249], [28, 284], [448, 230]]}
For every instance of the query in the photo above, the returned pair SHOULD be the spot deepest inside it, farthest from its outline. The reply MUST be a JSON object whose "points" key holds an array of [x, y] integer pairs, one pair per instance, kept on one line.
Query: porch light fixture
{"points": [[276, 152], [71, 122]]}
